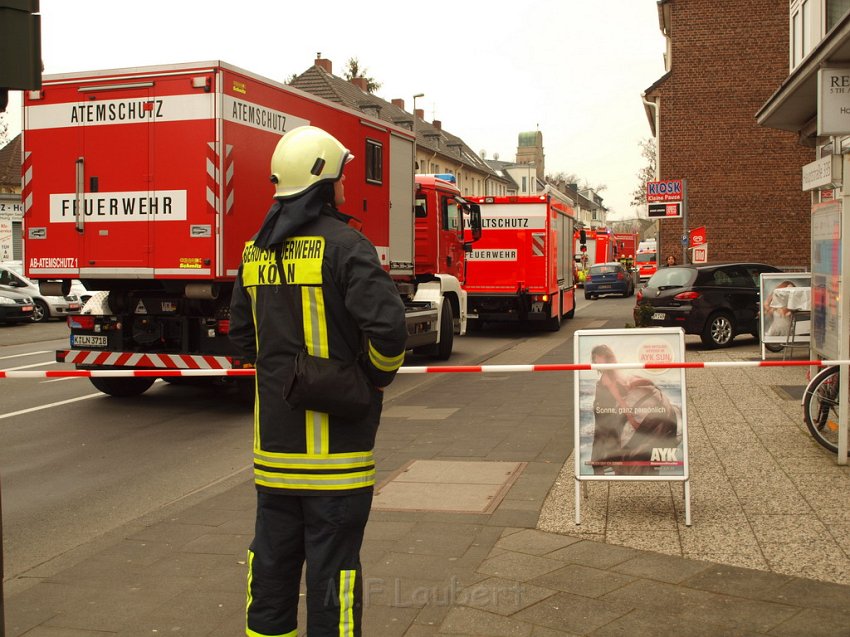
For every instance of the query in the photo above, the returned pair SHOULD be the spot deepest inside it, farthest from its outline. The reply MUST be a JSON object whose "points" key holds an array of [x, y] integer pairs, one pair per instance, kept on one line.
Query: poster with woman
{"points": [[786, 301], [630, 416]]}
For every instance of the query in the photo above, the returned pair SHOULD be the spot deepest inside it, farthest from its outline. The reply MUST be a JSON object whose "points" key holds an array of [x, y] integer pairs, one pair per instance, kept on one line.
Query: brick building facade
{"points": [[743, 181]]}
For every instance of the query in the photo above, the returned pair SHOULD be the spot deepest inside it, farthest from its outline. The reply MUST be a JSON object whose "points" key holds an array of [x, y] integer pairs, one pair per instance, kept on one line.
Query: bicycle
{"points": [[820, 407]]}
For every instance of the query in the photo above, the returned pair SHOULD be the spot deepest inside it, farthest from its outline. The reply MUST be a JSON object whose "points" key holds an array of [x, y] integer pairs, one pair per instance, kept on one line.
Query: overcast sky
{"points": [[573, 69]]}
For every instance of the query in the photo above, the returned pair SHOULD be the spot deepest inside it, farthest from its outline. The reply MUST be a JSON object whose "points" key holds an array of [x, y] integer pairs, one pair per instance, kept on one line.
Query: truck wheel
{"points": [[553, 323], [442, 350], [447, 332], [122, 387]]}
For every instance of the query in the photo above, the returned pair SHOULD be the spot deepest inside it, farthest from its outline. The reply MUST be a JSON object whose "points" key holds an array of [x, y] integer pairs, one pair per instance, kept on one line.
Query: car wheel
{"points": [[40, 311], [718, 331], [774, 347], [587, 296]]}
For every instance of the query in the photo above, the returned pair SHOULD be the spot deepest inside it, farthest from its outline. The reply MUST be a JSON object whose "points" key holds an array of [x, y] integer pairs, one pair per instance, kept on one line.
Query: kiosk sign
{"points": [[664, 191]]}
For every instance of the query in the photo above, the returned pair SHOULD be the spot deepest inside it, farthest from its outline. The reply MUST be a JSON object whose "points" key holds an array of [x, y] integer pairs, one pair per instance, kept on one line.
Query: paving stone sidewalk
{"points": [[522, 568]]}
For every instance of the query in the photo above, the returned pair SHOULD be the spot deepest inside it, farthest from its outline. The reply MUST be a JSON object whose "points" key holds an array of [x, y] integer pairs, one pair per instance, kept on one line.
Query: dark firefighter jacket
{"points": [[347, 305]]}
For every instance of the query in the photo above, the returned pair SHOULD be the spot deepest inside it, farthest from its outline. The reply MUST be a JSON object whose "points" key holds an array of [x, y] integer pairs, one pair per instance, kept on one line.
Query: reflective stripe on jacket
{"points": [[348, 308]]}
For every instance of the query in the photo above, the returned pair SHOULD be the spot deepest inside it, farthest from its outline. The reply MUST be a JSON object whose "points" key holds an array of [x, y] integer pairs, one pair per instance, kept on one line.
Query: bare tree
{"points": [[4, 130], [353, 70], [650, 153]]}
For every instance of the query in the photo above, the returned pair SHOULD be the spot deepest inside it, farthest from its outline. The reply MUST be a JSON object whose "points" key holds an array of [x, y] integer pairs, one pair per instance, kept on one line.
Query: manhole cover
{"points": [[447, 485]]}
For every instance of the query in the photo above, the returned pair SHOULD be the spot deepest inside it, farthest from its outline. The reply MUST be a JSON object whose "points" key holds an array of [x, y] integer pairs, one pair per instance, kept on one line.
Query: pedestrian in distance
{"points": [[671, 260], [310, 281]]}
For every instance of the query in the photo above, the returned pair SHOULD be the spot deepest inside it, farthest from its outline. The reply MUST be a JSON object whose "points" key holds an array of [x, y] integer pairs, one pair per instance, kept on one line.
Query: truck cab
{"points": [[445, 226]]}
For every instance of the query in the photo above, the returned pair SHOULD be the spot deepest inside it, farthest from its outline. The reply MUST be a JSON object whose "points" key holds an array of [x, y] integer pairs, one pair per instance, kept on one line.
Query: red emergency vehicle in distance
{"points": [[598, 247], [646, 259], [522, 269], [626, 245]]}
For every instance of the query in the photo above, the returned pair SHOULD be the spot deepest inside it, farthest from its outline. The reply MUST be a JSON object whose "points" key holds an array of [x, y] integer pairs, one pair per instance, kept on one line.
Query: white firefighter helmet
{"points": [[304, 157]]}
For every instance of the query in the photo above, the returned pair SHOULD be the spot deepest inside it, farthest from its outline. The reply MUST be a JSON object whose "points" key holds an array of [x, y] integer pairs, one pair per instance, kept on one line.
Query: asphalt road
{"points": [[76, 464]]}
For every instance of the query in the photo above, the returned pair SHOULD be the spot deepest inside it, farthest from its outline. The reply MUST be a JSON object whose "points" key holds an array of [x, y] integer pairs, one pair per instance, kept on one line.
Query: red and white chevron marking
{"points": [[467, 369], [132, 359], [26, 182], [214, 176]]}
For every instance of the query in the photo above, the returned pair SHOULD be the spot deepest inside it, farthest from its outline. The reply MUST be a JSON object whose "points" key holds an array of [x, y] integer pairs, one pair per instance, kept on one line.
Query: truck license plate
{"points": [[87, 340], [658, 316]]}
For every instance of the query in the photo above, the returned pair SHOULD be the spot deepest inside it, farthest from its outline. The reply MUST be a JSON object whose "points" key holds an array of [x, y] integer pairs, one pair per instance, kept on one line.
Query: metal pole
{"points": [[2, 614], [685, 233]]}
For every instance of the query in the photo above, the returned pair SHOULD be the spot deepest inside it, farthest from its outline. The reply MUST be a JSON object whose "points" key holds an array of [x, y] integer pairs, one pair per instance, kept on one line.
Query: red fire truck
{"points": [[625, 244], [522, 268], [147, 182], [592, 246]]}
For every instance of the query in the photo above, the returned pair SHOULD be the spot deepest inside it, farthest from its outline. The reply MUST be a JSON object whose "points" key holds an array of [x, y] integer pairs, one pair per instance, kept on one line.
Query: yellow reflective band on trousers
{"points": [[315, 482], [302, 462], [248, 631], [384, 363], [346, 603], [316, 342]]}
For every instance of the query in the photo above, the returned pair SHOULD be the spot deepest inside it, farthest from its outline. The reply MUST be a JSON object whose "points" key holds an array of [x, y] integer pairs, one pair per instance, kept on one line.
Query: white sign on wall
{"points": [[822, 172], [5, 240], [834, 101]]}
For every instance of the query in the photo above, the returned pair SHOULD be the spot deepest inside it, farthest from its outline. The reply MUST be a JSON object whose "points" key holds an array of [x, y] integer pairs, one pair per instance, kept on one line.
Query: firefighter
{"points": [[314, 473]]}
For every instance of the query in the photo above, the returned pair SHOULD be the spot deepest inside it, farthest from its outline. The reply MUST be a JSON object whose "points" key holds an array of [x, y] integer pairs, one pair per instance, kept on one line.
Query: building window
{"points": [[806, 30], [374, 162], [809, 22], [835, 10]]}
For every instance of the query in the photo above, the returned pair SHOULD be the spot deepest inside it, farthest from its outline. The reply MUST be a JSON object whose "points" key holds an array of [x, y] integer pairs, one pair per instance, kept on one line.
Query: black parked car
{"points": [[717, 301]]}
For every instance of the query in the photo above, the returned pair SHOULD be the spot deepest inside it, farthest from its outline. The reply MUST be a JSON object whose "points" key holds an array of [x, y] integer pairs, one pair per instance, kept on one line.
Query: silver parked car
{"points": [[45, 307]]}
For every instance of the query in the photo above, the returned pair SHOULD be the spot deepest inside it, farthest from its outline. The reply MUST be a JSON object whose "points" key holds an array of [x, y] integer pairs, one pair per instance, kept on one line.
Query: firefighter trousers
{"points": [[326, 532]]}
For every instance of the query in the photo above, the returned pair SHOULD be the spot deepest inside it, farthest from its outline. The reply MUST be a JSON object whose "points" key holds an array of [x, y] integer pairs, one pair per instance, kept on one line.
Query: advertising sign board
{"points": [[698, 236], [630, 424], [786, 300], [664, 210], [828, 328]]}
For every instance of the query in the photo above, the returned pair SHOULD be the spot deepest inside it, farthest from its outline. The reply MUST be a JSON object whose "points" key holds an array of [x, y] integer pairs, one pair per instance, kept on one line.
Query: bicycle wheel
{"points": [[820, 408]]}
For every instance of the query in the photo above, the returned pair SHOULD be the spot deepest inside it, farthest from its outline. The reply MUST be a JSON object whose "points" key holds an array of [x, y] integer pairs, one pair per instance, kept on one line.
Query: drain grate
{"points": [[447, 485]]}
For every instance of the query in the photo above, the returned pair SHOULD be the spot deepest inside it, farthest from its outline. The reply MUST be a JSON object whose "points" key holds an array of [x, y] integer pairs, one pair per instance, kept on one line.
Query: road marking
{"points": [[11, 369], [2, 358], [48, 406]]}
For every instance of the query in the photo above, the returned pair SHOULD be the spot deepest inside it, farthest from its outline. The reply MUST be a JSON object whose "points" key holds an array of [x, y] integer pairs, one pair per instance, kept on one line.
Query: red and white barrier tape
{"points": [[565, 367]]}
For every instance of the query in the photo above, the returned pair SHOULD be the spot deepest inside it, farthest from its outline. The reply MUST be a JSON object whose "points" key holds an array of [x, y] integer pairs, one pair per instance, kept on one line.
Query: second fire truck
{"points": [[522, 268]]}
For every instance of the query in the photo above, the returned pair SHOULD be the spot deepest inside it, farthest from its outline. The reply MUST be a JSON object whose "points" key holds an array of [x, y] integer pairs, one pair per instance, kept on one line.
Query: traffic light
{"points": [[20, 47], [582, 236], [583, 248]]}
